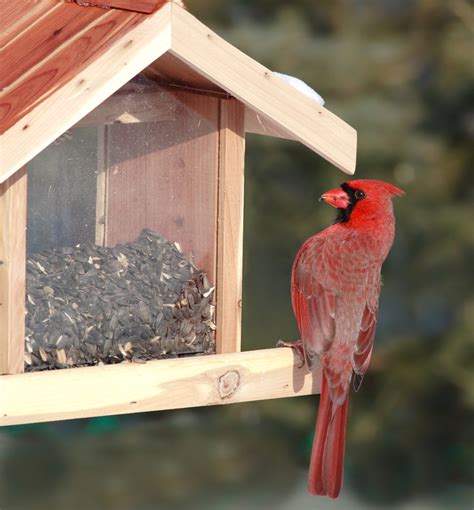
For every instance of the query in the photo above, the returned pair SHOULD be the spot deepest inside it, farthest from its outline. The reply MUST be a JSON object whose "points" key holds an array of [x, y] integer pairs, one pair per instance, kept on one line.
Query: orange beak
{"points": [[337, 198]]}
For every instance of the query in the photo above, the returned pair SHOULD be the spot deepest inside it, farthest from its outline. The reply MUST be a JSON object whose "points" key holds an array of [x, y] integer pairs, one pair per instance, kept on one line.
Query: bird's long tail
{"points": [[327, 457]]}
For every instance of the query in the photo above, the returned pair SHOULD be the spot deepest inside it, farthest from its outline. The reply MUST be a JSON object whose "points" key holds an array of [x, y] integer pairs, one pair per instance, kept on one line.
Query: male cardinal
{"points": [[335, 287]]}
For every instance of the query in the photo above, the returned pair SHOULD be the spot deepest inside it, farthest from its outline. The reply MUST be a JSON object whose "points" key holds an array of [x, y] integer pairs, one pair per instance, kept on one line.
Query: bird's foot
{"points": [[297, 346]]}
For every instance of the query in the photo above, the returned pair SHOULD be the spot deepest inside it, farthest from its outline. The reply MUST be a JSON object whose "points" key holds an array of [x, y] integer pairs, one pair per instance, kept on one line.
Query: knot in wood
{"points": [[228, 383]]}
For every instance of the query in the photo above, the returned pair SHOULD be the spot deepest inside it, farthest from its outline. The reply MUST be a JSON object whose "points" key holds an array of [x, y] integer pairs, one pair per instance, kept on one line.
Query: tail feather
{"points": [[327, 458]]}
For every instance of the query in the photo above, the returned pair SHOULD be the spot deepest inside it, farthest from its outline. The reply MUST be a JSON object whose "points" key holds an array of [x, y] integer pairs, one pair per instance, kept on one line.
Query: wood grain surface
{"points": [[37, 65], [266, 93], [230, 228], [12, 273], [157, 385]]}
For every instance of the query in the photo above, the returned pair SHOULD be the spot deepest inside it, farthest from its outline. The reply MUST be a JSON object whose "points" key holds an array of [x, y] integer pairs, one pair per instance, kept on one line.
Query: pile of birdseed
{"points": [[91, 305]]}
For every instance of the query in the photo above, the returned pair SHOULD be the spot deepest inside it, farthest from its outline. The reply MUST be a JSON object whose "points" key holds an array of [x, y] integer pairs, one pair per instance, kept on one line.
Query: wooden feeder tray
{"points": [[91, 305]]}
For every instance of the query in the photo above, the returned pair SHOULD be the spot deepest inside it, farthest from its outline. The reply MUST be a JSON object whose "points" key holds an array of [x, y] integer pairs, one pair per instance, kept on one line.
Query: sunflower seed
{"points": [[89, 305]]}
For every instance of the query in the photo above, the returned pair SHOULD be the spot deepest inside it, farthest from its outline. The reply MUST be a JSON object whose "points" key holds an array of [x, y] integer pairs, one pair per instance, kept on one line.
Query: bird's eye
{"points": [[359, 194]]}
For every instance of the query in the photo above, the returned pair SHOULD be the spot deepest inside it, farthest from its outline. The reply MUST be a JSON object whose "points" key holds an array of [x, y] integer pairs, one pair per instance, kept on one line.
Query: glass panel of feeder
{"points": [[121, 238]]}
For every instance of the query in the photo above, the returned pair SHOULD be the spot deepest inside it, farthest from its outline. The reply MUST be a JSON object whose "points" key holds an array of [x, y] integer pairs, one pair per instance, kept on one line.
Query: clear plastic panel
{"points": [[121, 241]]}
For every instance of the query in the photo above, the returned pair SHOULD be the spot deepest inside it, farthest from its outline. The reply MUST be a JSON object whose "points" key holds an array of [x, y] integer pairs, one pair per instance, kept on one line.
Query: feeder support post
{"points": [[12, 272], [230, 226]]}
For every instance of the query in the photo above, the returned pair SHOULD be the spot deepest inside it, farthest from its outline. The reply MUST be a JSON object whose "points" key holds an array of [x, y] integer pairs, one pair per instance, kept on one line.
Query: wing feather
{"points": [[368, 324], [314, 302], [325, 270]]}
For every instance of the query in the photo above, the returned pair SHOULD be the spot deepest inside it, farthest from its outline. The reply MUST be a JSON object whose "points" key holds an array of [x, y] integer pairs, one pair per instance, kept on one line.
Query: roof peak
{"points": [[63, 60]]}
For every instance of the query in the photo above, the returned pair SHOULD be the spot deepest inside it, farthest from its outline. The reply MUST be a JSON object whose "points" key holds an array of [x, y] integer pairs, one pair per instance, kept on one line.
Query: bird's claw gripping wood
{"points": [[298, 348]]}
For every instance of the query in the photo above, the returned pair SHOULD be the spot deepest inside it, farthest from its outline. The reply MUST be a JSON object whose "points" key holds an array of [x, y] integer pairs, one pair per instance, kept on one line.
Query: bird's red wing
{"points": [[314, 303], [368, 325], [325, 270]]}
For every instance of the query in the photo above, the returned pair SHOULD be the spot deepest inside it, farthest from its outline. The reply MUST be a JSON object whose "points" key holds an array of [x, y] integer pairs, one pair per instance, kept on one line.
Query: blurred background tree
{"points": [[402, 73]]}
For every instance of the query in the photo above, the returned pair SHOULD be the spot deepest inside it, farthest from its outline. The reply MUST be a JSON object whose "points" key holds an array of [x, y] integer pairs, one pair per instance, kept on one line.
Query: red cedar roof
{"points": [[145, 6], [43, 44], [59, 60]]}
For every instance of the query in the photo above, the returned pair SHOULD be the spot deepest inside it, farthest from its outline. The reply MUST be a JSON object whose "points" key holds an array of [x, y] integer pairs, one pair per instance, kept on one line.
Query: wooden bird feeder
{"points": [[130, 121]]}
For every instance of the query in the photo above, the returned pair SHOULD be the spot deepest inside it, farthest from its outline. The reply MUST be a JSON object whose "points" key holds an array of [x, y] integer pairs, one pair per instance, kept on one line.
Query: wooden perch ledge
{"points": [[156, 385]]}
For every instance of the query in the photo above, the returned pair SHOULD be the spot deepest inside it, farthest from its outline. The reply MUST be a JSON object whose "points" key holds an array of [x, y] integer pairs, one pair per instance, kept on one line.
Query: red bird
{"points": [[335, 287]]}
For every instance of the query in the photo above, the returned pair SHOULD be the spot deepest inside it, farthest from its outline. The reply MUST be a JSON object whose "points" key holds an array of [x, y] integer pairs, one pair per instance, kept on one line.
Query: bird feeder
{"points": [[122, 143]]}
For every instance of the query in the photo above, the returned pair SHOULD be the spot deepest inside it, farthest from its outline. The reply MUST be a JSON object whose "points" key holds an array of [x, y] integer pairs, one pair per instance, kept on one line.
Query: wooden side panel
{"points": [[230, 226], [12, 273], [163, 176], [156, 385]]}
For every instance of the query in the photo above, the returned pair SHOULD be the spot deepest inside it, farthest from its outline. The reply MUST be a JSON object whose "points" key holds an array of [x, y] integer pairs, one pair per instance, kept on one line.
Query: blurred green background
{"points": [[402, 73]]}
